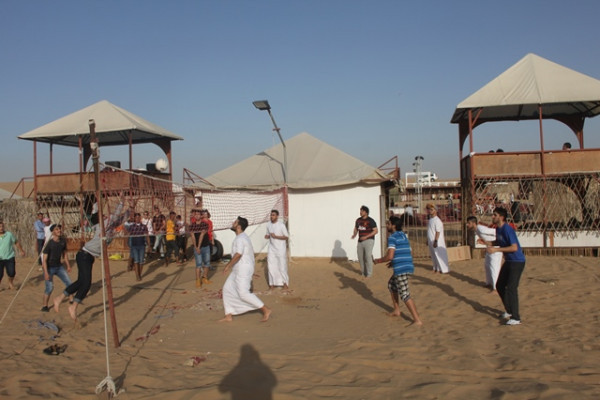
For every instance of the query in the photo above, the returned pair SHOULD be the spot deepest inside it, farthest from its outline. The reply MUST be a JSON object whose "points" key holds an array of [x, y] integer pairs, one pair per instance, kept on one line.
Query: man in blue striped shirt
{"points": [[399, 257]]}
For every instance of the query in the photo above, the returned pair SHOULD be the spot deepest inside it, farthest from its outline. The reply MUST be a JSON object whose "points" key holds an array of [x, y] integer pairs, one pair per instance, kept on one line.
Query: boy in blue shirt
{"points": [[400, 259]]}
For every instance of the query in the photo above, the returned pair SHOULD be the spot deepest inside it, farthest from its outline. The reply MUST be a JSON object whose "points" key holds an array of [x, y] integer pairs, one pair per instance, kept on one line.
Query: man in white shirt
{"points": [[493, 261], [277, 256], [237, 298], [436, 241]]}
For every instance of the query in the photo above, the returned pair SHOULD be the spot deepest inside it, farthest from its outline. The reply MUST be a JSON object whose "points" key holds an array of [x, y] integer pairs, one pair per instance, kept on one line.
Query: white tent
{"points": [[326, 189], [311, 164], [5, 195]]}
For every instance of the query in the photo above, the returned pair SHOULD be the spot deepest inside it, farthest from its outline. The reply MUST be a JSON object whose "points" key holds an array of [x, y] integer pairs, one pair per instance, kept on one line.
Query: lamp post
{"points": [[263, 105], [417, 165]]}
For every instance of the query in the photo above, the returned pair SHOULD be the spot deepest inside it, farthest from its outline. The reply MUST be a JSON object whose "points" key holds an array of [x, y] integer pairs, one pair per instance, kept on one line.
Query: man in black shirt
{"points": [[54, 255], [366, 229]]}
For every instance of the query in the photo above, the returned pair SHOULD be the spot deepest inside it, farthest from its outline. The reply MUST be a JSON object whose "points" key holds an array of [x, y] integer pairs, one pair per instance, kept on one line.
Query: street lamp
{"points": [[263, 105], [417, 165]]}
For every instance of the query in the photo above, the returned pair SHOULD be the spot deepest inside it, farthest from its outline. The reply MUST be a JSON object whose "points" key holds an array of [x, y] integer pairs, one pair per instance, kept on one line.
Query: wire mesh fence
{"points": [[568, 202]]}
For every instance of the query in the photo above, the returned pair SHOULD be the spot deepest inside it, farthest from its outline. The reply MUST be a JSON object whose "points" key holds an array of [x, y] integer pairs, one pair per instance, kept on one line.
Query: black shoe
{"points": [[45, 309]]}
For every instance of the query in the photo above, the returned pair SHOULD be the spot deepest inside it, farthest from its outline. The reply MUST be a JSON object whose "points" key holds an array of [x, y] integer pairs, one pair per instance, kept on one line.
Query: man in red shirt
{"points": [[366, 228]]}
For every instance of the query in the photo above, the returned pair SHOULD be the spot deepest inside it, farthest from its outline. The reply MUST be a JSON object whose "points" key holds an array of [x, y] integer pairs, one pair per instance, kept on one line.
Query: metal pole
{"points": [[276, 129], [419, 190], [111, 305], [35, 180], [285, 181]]}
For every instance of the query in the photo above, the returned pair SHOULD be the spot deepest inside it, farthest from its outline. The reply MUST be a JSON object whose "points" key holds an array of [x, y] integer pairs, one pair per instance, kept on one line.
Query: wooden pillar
{"points": [[130, 150], [51, 149], [35, 170]]}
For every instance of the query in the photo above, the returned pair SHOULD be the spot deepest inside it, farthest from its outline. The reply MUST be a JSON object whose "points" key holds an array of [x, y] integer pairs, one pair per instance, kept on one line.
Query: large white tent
{"points": [[326, 188]]}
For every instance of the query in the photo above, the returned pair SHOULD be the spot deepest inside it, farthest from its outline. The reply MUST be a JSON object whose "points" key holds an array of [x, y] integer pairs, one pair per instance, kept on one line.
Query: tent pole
{"points": [[471, 163], [51, 158], [35, 170], [543, 170], [130, 151]]}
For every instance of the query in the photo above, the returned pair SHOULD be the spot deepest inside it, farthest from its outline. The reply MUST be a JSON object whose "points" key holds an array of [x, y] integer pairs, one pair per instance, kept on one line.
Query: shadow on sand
{"points": [[250, 379]]}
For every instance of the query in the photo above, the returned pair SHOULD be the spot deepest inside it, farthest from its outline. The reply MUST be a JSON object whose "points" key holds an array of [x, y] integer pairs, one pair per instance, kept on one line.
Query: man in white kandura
{"points": [[436, 241], [237, 298], [493, 261], [277, 256]]}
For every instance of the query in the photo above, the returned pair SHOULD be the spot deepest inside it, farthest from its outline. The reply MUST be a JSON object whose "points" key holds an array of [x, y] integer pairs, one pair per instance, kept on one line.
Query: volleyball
{"points": [[161, 164]]}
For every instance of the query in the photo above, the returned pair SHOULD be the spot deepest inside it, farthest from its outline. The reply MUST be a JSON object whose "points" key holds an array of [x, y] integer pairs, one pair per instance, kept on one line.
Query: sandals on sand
{"points": [[55, 350]]}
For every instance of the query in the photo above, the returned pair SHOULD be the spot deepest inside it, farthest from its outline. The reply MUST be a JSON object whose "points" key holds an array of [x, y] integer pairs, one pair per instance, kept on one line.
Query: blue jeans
{"points": [[62, 275], [202, 259], [137, 253]]}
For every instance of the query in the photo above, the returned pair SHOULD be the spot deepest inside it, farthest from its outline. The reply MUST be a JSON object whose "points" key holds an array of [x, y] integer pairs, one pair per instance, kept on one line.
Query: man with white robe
{"points": [[436, 241], [277, 256], [493, 261], [237, 298]]}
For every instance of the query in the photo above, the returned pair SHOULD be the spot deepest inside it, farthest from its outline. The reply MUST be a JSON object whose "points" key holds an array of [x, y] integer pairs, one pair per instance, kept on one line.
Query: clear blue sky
{"points": [[373, 78]]}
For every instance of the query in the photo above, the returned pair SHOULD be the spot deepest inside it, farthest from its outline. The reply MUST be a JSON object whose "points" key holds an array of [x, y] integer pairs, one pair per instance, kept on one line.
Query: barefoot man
{"points": [[85, 260], [237, 298], [400, 259], [277, 256]]}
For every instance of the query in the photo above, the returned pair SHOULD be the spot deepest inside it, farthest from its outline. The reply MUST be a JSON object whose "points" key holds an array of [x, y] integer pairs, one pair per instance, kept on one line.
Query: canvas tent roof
{"points": [[5, 195], [517, 92], [113, 125], [311, 164]]}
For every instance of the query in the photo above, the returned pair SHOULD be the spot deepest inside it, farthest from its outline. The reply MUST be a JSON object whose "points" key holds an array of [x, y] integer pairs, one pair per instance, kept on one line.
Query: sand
{"points": [[328, 338]]}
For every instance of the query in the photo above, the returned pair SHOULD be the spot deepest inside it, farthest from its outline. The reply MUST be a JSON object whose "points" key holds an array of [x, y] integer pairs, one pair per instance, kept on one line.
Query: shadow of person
{"points": [[450, 291], [340, 257], [361, 289], [338, 252], [250, 379]]}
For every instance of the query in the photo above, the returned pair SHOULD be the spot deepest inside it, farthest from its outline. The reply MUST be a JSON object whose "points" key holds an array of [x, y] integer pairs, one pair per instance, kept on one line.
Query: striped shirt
{"points": [[402, 261]]}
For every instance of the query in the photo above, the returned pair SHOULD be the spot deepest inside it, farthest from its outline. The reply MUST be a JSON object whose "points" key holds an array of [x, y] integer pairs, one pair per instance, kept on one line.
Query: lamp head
{"points": [[262, 105]]}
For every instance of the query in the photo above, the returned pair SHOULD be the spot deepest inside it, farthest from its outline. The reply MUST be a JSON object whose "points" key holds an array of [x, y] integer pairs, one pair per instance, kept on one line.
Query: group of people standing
{"points": [[500, 241], [237, 295], [168, 236]]}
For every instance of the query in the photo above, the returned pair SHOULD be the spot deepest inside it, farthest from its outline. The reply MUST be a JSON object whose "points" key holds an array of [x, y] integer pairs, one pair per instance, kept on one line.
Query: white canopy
{"points": [[517, 93], [113, 126], [311, 164]]}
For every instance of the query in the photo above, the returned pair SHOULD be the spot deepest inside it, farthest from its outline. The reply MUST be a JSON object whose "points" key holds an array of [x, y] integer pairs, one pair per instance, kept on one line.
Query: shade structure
{"points": [[517, 93], [113, 127]]}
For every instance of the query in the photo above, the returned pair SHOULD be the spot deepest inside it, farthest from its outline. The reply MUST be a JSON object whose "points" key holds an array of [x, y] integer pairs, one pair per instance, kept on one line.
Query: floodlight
{"points": [[262, 105]]}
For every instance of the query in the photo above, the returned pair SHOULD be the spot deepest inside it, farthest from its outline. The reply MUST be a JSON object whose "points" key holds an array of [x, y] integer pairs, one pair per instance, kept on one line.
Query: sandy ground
{"points": [[329, 338]]}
